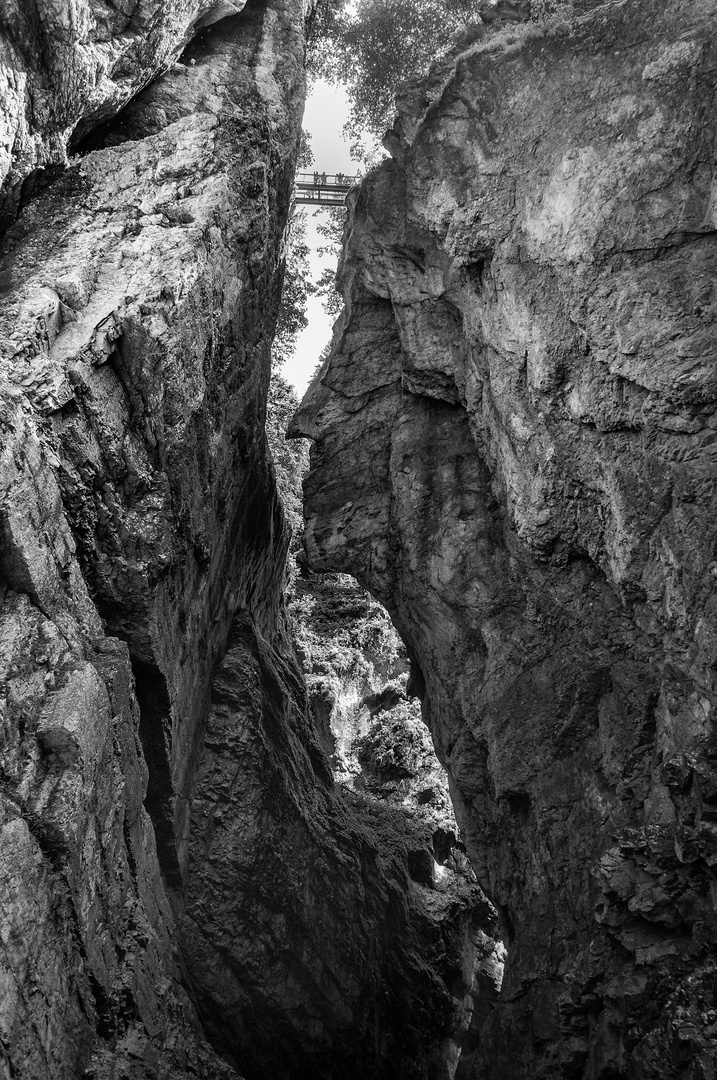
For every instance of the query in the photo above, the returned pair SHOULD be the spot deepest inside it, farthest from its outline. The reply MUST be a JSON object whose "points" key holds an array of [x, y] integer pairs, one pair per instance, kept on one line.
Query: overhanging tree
{"points": [[375, 46], [296, 290], [379, 45]]}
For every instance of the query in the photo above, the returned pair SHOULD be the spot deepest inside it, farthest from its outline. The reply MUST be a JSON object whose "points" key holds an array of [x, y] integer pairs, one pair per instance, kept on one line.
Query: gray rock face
{"points": [[65, 67], [312, 945], [513, 449], [176, 863], [139, 295]]}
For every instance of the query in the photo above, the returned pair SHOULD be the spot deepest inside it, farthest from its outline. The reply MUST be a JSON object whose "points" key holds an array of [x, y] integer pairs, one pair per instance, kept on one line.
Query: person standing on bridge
{"points": [[323, 179], [316, 177]]}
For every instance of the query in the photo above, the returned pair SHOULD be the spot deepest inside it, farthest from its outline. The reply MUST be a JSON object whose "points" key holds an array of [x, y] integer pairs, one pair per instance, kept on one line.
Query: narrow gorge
{"points": [[219, 858]]}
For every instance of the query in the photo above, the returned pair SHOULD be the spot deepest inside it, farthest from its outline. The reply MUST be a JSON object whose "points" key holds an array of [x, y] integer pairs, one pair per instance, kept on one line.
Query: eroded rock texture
{"points": [[356, 671], [139, 295], [176, 864], [66, 66], [514, 450]]}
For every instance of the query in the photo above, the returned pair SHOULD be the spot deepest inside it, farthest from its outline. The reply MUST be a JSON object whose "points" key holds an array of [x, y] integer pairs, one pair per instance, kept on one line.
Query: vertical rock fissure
{"points": [[155, 732]]}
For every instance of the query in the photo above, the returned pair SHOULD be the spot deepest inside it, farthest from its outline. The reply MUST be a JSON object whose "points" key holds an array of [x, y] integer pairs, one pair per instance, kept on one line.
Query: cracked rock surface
{"points": [[65, 67], [184, 892], [514, 449], [138, 514]]}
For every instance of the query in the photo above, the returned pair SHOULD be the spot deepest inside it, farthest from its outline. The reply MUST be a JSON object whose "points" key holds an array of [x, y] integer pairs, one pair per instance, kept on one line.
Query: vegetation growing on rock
{"points": [[376, 49]]}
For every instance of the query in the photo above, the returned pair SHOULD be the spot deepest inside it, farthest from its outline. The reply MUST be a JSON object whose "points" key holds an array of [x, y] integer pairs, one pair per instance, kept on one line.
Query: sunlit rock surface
{"points": [[180, 878], [65, 67], [514, 449], [356, 671], [139, 296]]}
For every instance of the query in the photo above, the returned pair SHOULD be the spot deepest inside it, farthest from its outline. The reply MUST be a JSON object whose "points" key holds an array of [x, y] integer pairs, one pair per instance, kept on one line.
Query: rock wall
{"points": [[177, 868], [138, 506], [514, 450], [66, 67], [315, 941], [356, 672]]}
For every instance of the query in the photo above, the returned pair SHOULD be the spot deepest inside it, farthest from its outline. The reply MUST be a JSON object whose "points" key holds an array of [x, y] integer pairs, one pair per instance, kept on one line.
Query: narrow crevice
{"points": [[477, 268], [416, 687], [155, 732]]}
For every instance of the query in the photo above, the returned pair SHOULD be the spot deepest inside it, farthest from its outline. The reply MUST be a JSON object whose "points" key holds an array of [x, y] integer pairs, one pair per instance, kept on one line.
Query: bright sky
{"points": [[325, 115]]}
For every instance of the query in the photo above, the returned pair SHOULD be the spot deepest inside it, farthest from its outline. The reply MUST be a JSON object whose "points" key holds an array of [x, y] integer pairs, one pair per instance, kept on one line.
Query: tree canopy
{"points": [[330, 226], [372, 47], [297, 288], [376, 45]]}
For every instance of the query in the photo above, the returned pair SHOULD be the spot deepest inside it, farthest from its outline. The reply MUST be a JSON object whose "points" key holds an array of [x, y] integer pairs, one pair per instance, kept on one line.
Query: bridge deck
{"points": [[322, 189]]}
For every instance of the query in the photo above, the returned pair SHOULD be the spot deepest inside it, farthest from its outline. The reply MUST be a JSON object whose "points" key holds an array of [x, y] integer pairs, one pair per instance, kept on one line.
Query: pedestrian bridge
{"points": [[322, 189]]}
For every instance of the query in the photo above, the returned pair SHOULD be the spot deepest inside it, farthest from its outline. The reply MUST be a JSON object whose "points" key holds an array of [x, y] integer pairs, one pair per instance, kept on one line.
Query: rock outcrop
{"points": [[185, 892], [356, 672], [139, 514], [514, 450], [67, 67]]}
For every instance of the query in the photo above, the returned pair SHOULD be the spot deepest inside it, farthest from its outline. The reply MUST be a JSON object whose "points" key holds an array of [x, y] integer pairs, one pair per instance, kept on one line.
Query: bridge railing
{"points": [[338, 180]]}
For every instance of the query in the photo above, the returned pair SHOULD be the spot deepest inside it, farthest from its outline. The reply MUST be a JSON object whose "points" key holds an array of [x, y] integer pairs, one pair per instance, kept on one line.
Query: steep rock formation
{"points": [[139, 295], [356, 670], [65, 67], [311, 917], [176, 862], [514, 450]]}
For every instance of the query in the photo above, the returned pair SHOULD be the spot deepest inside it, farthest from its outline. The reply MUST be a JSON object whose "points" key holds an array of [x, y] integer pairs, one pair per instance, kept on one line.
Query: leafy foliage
{"points": [[397, 743], [291, 459], [297, 288], [305, 157], [375, 47], [339, 627], [298, 283], [378, 45], [330, 226], [399, 765]]}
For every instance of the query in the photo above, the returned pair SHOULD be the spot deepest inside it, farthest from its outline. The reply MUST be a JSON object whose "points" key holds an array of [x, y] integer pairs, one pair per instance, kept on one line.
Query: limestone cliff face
{"points": [[65, 67], [176, 866], [514, 450], [138, 507]]}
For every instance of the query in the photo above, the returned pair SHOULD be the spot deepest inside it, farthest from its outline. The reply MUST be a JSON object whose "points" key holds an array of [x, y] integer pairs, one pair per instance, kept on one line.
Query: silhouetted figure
{"points": [[316, 177], [323, 179]]}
